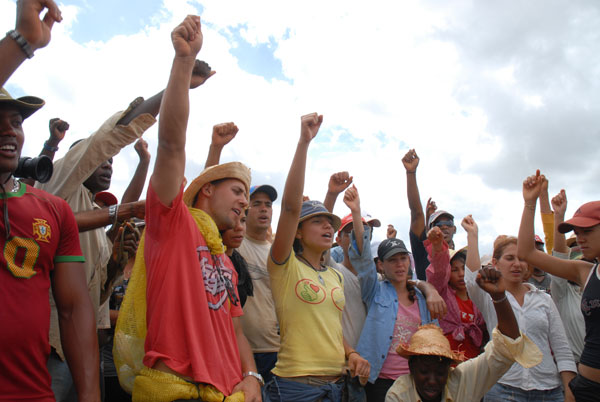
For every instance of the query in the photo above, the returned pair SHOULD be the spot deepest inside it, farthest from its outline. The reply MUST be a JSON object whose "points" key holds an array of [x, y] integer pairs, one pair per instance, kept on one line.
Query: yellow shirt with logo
{"points": [[309, 307]]}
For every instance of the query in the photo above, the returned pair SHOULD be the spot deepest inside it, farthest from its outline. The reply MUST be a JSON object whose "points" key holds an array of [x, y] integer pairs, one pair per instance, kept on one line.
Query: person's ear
{"points": [[208, 190]]}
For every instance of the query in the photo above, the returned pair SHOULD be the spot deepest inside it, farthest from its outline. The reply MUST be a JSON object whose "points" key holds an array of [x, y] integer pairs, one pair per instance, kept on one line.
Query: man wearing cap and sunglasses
{"points": [[41, 247], [195, 348], [418, 224]]}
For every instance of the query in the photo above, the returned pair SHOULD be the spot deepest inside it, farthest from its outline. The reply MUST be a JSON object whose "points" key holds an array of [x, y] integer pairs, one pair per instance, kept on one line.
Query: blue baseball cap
{"points": [[313, 208], [264, 188]]}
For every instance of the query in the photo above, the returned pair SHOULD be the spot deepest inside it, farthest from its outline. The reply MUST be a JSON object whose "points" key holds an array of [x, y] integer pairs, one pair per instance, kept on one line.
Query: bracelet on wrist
{"points": [[354, 351], [530, 206], [499, 300], [411, 171], [21, 41], [50, 147]]}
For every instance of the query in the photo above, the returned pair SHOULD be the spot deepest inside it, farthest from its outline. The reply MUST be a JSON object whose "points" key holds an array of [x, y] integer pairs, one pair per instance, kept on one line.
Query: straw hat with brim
{"points": [[27, 105], [453, 253], [313, 208], [429, 340], [231, 170], [586, 216]]}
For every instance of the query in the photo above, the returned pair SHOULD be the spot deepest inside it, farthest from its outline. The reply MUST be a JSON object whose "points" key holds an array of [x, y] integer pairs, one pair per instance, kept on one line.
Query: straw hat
{"points": [[429, 340], [231, 170]]}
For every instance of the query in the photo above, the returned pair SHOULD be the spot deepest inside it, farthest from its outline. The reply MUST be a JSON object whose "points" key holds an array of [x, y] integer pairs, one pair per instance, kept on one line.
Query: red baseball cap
{"points": [[106, 198], [347, 220], [586, 216]]}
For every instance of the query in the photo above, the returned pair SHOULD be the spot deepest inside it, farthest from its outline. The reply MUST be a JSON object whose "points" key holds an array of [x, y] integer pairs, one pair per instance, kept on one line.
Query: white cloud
{"points": [[461, 82]]}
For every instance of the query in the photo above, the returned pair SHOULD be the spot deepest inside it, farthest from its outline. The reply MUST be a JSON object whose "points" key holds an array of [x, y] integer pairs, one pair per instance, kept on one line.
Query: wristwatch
{"points": [[255, 375]]}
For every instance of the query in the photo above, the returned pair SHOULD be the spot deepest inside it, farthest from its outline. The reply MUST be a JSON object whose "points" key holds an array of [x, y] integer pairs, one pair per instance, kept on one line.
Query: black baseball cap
{"points": [[390, 247]]}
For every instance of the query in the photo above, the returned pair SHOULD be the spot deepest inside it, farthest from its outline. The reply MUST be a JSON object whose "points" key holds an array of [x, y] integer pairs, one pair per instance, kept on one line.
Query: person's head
{"points": [[100, 179], [445, 221], [395, 260], [316, 228], [457, 270], [232, 238], [343, 234], [12, 114], [586, 225], [220, 191], [372, 222], [429, 358], [260, 208], [539, 245], [505, 259]]}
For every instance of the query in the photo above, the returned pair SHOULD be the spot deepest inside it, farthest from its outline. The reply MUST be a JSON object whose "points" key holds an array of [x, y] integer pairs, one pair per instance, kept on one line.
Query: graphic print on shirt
{"points": [[214, 284], [404, 328], [310, 292], [466, 317], [588, 305], [337, 295]]}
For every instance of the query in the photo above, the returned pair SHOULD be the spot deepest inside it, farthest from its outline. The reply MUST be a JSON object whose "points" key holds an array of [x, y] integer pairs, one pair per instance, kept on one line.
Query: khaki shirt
{"points": [[67, 183], [470, 380]]}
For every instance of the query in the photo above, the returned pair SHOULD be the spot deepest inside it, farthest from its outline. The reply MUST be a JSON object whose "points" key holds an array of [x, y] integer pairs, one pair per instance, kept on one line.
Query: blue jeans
{"points": [[62, 382], [265, 362], [503, 393], [284, 390]]}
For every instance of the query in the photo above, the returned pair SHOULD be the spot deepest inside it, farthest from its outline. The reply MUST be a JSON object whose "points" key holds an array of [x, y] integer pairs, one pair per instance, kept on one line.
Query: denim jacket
{"points": [[381, 300]]}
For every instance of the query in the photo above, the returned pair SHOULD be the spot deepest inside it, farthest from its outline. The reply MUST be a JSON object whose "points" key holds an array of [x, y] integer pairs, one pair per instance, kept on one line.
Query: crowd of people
{"points": [[193, 295]]}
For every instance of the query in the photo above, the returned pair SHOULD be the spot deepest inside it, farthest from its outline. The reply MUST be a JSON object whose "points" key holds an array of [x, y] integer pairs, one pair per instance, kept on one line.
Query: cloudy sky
{"points": [[486, 92]]}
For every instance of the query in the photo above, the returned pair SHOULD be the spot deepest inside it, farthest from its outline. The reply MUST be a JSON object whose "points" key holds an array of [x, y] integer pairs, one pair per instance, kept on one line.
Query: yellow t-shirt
{"points": [[309, 307]]}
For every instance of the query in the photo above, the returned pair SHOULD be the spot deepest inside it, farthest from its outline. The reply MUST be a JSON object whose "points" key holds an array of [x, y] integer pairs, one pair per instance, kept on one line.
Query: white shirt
{"points": [[567, 297], [538, 318]]}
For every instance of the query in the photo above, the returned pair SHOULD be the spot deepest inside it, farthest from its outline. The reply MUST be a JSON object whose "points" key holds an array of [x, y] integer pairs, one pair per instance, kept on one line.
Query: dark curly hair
{"points": [[245, 286]]}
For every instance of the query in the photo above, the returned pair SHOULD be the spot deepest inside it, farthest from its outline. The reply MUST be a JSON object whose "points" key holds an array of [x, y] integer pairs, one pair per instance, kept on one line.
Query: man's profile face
{"points": [[100, 179], [430, 374], [11, 138], [260, 212], [227, 203], [446, 225]]}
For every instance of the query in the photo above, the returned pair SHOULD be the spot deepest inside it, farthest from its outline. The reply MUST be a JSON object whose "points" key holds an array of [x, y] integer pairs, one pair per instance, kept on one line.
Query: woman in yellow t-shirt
{"points": [[308, 295]]}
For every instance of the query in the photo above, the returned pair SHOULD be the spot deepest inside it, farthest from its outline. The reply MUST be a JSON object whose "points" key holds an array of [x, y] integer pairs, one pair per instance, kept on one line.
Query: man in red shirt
{"points": [[194, 344], [40, 243]]}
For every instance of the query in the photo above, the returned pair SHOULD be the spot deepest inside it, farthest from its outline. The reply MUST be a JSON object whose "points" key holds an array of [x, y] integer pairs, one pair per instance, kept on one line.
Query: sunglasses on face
{"points": [[443, 223]]}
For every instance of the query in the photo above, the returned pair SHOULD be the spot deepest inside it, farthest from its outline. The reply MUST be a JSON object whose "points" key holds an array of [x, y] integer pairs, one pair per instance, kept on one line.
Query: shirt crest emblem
{"points": [[41, 230]]}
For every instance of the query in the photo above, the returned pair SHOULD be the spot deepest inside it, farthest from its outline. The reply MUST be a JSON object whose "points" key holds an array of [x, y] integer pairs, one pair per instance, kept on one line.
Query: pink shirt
{"points": [[408, 320]]}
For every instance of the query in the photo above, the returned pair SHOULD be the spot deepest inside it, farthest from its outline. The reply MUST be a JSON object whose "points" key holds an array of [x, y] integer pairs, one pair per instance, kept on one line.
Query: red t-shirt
{"points": [[43, 232], [467, 315], [189, 315]]}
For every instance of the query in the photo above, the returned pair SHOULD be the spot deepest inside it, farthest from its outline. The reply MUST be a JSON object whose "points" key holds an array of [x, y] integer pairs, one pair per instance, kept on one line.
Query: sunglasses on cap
{"points": [[443, 223]]}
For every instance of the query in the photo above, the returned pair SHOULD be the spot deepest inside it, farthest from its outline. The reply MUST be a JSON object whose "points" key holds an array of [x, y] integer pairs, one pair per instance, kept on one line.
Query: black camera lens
{"points": [[38, 169]]}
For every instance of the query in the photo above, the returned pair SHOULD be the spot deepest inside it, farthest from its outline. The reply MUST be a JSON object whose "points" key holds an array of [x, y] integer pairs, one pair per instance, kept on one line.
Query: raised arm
{"points": [[136, 185], [473, 260], [352, 200], [547, 217], [490, 280], [417, 218], [58, 128], [338, 182], [222, 135], [33, 30], [77, 328], [291, 201], [575, 271], [438, 271], [174, 112], [559, 205]]}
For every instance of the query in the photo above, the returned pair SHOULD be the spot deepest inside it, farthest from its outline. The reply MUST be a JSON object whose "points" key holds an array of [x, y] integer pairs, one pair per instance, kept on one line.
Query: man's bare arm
{"points": [[32, 29], [77, 328], [99, 218], [222, 135], [417, 217], [136, 185]]}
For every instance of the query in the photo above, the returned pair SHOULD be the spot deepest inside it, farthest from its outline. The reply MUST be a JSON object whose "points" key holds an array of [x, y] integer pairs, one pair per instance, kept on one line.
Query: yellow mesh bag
{"points": [[130, 332]]}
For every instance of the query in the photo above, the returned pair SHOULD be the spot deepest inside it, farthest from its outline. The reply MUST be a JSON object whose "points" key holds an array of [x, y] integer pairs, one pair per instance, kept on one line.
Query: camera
{"points": [[38, 169]]}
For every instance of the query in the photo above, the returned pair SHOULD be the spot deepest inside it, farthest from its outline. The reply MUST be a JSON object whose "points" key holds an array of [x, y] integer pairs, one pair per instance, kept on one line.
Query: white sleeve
{"points": [[558, 340], [482, 300]]}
